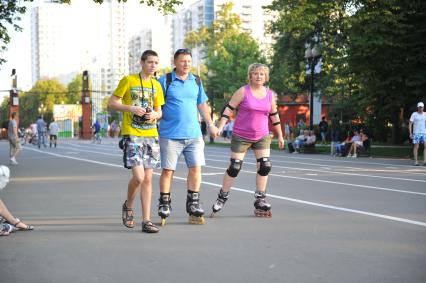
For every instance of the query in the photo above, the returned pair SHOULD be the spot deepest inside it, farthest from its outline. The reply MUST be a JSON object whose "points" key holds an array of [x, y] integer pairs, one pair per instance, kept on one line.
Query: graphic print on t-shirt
{"points": [[143, 99]]}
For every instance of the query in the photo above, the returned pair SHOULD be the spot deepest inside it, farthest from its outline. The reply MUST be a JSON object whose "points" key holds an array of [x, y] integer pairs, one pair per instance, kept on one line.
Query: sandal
{"points": [[149, 227], [25, 228], [127, 216]]}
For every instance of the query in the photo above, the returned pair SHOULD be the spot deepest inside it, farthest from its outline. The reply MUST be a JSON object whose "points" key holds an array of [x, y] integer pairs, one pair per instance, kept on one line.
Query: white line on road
{"points": [[334, 172], [338, 208]]}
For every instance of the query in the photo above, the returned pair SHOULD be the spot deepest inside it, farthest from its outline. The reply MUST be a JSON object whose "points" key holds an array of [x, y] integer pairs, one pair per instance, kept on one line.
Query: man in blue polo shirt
{"points": [[180, 133]]}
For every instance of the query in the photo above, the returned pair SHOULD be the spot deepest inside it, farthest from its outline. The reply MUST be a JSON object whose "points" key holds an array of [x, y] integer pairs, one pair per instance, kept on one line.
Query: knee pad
{"points": [[234, 167], [264, 166]]}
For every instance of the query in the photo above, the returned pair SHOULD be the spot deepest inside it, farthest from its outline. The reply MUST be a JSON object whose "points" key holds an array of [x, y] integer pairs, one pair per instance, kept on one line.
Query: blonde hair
{"points": [[253, 67]]}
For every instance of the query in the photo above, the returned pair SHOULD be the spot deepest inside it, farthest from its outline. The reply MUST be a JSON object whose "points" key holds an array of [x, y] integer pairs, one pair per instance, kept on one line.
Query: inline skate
{"points": [[222, 197], [262, 208], [194, 209], [164, 207]]}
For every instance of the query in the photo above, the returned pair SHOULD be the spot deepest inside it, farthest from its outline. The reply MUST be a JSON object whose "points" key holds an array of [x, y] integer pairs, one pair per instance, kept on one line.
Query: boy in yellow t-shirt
{"points": [[139, 97]]}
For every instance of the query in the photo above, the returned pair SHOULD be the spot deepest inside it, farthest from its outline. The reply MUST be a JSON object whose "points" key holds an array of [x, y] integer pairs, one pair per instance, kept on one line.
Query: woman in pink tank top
{"points": [[256, 106]]}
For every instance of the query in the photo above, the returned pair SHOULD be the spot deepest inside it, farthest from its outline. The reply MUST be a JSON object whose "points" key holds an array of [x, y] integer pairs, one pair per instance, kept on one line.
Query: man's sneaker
{"points": [[149, 227], [13, 161], [416, 164]]}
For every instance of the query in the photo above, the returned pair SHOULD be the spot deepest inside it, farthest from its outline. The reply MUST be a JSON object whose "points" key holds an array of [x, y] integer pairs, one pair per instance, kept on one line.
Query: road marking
{"points": [[334, 172], [338, 208]]}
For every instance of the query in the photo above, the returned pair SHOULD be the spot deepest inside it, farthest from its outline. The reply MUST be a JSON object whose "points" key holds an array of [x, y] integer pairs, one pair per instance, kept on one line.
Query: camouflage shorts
{"points": [[142, 151]]}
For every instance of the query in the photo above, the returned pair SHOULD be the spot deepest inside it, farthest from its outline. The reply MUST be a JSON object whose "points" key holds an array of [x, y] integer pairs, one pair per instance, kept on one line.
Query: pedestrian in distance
{"points": [[180, 134], [257, 104], [41, 131], [12, 135], [97, 132], [140, 97], [417, 130], [323, 127], [53, 133]]}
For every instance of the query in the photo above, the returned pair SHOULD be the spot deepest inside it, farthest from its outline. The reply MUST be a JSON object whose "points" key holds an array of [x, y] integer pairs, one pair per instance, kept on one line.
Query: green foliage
{"points": [[10, 12], [229, 53], [46, 92], [75, 88], [373, 62]]}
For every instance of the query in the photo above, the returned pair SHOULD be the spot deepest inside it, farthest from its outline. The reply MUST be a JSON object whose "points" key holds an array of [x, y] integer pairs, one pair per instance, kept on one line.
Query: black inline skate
{"points": [[194, 209], [164, 207], [222, 197], [262, 208]]}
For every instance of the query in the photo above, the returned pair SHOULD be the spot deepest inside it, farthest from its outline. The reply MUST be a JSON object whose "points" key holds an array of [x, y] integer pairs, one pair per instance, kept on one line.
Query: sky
{"points": [[18, 55]]}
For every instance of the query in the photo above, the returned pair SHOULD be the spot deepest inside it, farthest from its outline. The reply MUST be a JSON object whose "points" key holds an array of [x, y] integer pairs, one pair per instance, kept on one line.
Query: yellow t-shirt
{"points": [[131, 92]]}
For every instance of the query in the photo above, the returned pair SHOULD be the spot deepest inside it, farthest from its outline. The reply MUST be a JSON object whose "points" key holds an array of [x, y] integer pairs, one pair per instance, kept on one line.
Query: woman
{"points": [[257, 104]]}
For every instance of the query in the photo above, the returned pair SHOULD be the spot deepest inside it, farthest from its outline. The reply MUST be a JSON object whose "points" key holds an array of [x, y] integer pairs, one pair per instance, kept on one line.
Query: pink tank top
{"points": [[252, 118]]}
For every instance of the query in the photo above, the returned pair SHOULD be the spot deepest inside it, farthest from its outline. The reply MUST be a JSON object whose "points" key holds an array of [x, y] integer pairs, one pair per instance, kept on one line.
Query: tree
{"points": [[372, 56], [229, 53], [388, 39], [75, 87], [11, 11], [46, 92]]}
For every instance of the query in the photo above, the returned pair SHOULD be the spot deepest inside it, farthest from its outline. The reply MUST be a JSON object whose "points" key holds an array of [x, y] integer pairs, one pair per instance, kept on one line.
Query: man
{"points": [[53, 133], [41, 131], [140, 97], [180, 133], [12, 135], [323, 127], [96, 131], [417, 130]]}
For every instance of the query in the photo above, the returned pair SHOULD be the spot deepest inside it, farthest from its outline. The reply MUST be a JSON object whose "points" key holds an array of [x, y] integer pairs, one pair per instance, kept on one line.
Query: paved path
{"points": [[334, 220]]}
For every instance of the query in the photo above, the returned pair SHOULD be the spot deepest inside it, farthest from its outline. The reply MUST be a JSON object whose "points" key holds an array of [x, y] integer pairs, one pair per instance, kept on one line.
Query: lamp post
{"points": [[41, 109], [312, 55]]}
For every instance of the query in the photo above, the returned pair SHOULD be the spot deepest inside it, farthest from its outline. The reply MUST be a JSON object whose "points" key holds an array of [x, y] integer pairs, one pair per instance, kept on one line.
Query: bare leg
{"points": [[261, 180], [166, 180], [5, 213], [134, 184], [415, 150], [146, 195], [194, 179], [228, 180]]}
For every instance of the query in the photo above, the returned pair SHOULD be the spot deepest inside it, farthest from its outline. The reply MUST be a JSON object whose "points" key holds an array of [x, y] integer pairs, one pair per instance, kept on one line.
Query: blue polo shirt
{"points": [[180, 112]]}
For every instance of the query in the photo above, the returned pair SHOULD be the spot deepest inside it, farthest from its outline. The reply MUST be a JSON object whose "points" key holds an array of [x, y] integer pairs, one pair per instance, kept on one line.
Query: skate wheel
{"points": [[196, 220], [163, 222], [266, 214]]}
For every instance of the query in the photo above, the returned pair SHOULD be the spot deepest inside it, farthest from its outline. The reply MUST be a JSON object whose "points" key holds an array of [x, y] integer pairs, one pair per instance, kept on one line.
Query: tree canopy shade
{"points": [[373, 59], [11, 11]]}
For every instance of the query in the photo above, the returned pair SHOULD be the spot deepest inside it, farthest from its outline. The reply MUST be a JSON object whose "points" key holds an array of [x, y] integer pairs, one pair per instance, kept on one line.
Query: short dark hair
{"points": [[181, 51], [148, 53]]}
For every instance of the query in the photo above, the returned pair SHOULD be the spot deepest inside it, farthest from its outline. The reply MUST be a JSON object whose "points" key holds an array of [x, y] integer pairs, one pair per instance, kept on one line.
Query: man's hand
{"points": [[214, 132]]}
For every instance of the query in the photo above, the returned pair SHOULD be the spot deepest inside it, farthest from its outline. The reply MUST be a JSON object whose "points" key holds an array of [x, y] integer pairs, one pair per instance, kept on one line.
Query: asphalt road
{"points": [[334, 220]]}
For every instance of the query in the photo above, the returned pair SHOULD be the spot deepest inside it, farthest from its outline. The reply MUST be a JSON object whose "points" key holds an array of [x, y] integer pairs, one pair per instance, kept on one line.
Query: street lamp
{"points": [[41, 109], [312, 55]]}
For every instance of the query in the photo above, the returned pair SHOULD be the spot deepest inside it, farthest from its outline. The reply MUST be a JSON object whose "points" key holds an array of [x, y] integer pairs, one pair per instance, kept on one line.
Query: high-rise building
{"points": [[203, 12], [95, 42], [153, 38]]}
